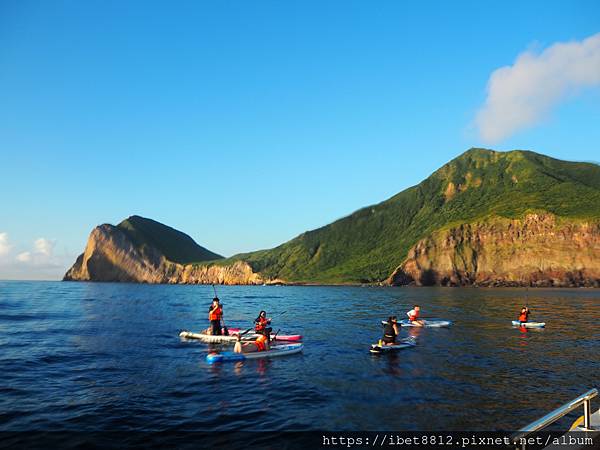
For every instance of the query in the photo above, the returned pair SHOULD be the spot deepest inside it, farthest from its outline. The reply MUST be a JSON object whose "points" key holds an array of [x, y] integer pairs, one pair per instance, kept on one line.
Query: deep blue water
{"points": [[103, 356]]}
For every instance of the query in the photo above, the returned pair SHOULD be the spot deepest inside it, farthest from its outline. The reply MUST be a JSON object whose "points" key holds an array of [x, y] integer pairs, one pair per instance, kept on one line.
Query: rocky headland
{"points": [[486, 218]]}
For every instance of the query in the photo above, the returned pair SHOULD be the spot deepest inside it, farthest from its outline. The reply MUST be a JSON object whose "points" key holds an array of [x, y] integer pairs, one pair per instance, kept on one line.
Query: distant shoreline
{"points": [[364, 285]]}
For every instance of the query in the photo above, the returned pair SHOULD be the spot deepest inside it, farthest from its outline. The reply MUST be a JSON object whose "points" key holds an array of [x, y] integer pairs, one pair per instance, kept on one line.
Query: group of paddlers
{"points": [[261, 329], [391, 330]]}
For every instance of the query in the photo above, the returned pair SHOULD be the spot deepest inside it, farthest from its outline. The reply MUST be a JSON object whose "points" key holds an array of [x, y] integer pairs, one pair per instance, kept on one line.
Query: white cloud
{"points": [[5, 246], [44, 246], [38, 260], [42, 254], [24, 257], [521, 95]]}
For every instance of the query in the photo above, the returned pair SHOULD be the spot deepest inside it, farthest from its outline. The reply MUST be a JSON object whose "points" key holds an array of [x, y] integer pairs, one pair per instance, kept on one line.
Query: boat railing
{"points": [[519, 438]]}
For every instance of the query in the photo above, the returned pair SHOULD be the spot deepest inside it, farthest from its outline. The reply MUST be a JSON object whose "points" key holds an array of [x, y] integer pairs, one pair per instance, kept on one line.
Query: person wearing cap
{"points": [[215, 315]]}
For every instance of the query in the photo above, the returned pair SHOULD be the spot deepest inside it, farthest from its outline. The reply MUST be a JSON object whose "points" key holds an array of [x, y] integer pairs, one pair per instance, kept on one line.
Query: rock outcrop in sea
{"points": [[110, 255]]}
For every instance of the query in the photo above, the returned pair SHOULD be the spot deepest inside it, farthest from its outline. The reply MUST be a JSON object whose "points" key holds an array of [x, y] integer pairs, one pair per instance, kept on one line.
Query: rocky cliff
{"points": [[369, 244], [111, 255], [538, 250], [485, 218]]}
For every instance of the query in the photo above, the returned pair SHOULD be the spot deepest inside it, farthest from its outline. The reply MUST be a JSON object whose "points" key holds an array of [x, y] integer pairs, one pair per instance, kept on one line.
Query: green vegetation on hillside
{"points": [[369, 244], [175, 245]]}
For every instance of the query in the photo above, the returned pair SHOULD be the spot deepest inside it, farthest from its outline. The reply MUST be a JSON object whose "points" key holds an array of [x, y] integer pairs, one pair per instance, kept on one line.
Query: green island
{"points": [[483, 189]]}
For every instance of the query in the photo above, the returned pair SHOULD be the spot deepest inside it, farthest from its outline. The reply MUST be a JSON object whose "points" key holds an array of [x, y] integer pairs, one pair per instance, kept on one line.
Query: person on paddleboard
{"points": [[215, 315], [261, 344], [390, 331], [524, 315], [261, 323], [413, 316]]}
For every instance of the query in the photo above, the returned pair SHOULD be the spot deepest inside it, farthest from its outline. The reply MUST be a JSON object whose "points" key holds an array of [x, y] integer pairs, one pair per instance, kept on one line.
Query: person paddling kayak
{"points": [[413, 316], [390, 331], [261, 323], [215, 315], [524, 315]]}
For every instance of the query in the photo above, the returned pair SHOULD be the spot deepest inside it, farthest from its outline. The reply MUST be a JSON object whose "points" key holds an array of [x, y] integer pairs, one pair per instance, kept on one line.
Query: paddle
{"points": [[275, 335], [238, 343], [277, 315], [225, 330]]}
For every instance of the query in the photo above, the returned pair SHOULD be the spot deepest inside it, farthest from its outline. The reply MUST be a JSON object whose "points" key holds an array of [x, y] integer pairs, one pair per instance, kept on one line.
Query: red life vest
{"points": [[261, 343], [413, 315], [261, 324], [216, 314], [523, 316]]}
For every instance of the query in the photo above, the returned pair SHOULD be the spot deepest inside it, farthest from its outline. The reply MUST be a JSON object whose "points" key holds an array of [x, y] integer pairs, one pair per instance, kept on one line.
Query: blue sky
{"points": [[246, 123]]}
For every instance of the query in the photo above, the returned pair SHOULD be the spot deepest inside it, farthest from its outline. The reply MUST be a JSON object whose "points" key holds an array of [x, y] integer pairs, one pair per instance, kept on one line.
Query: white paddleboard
{"points": [[278, 350], [404, 343], [429, 323], [214, 339], [516, 323]]}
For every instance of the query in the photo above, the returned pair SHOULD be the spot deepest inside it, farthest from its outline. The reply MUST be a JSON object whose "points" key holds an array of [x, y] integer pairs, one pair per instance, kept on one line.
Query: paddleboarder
{"points": [[390, 331], [261, 344], [261, 323], [413, 316], [524, 315], [215, 315]]}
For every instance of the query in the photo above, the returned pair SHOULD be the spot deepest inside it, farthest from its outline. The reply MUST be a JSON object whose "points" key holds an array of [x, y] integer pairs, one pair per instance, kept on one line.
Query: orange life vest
{"points": [[523, 316], [261, 343], [261, 324], [216, 314]]}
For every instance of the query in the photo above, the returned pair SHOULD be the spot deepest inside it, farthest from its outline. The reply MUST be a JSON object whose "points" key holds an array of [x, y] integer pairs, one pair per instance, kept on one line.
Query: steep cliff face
{"points": [[111, 255], [538, 250]]}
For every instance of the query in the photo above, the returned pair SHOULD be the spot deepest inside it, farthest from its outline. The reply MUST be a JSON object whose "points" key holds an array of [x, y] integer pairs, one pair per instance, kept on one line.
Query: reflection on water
{"points": [[524, 331], [111, 358]]}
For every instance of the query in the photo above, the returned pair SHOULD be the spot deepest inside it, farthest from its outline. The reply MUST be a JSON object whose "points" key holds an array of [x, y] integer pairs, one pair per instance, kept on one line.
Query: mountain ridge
{"points": [[409, 214], [368, 245], [175, 245]]}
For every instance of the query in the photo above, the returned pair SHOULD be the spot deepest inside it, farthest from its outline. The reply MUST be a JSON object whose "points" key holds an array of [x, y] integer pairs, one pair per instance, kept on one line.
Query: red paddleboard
{"points": [[279, 337]]}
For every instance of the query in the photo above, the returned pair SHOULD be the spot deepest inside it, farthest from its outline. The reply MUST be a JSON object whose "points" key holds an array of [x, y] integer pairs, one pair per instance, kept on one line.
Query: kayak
{"points": [[516, 323], [277, 350], [279, 337], [221, 339], [429, 323], [404, 343]]}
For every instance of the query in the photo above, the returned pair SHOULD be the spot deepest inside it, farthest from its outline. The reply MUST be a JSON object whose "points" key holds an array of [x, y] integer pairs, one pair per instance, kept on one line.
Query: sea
{"points": [[81, 359]]}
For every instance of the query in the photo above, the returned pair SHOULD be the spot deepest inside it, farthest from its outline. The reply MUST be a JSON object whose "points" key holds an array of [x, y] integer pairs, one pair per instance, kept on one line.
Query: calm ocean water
{"points": [[104, 356]]}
